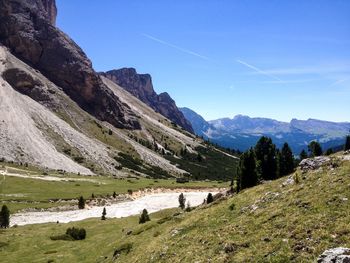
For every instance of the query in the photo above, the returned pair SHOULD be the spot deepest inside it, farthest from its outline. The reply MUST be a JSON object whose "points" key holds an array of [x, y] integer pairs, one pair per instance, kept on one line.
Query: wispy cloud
{"points": [[184, 50], [290, 81], [322, 69], [338, 82], [258, 70]]}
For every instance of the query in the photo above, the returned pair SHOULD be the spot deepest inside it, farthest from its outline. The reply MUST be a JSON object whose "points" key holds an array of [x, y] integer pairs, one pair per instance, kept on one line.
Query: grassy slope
{"points": [[297, 224], [215, 165]]}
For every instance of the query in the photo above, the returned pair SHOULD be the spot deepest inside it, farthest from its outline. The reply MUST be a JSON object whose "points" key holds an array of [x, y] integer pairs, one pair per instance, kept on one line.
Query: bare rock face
{"points": [[140, 85], [26, 84], [51, 9], [28, 29]]}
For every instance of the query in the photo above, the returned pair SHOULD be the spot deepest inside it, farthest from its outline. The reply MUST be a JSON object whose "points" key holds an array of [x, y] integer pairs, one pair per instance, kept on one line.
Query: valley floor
{"points": [[30, 189], [287, 220]]}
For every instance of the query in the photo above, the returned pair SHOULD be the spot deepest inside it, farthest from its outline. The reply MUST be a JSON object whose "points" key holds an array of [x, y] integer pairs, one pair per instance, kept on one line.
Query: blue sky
{"points": [[263, 58]]}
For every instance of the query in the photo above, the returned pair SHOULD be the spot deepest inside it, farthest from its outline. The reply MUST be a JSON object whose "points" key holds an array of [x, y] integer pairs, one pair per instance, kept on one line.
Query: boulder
{"points": [[313, 163], [335, 255]]}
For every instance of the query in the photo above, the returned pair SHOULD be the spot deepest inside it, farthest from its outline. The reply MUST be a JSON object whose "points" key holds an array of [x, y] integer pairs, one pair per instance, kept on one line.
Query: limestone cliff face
{"points": [[28, 29], [140, 85], [51, 9]]}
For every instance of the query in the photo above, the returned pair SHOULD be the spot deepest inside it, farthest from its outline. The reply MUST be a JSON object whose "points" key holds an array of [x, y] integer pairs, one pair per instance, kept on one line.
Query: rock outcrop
{"points": [[314, 163], [28, 29], [140, 85], [335, 255]]}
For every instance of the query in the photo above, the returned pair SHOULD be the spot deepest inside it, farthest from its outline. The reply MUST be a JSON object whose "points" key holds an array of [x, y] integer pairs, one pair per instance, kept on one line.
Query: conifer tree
{"points": [[278, 158], [286, 160], [266, 157], [104, 213], [144, 217], [210, 198], [315, 149], [199, 157], [329, 151], [302, 155], [182, 201], [347, 143], [4, 217], [81, 202], [248, 176]]}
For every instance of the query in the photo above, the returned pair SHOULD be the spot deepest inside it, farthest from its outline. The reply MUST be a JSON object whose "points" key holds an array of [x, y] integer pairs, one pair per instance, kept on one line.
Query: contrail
{"points": [[175, 47], [258, 70]]}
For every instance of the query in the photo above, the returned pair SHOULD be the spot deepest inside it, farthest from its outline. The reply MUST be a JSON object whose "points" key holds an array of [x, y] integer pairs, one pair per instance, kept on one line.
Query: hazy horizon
{"points": [[276, 59]]}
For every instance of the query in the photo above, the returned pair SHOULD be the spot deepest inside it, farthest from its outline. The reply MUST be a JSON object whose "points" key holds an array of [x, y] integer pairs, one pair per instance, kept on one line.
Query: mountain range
{"points": [[242, 132]]}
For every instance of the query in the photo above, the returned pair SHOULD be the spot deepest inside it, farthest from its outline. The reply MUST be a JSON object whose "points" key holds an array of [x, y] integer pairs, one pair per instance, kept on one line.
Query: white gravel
{"points": [[152, 203]]}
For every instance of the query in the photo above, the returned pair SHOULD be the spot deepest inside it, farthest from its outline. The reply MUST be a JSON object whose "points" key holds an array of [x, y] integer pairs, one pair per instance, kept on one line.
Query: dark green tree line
{"points": [[264, 162]]}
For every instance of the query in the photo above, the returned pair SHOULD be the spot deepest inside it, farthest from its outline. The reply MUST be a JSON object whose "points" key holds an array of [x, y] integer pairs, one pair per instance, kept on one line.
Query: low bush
{"points": [[144, 217], [71, 234]]}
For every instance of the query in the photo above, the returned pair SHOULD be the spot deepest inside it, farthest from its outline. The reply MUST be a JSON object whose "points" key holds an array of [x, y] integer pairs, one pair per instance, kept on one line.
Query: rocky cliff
{"points": [[28, 29], [140, 85]]}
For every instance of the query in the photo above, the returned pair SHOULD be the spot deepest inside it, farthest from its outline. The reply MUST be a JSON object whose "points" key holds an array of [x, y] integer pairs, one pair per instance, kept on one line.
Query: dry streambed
{"points": [[152, 202]]}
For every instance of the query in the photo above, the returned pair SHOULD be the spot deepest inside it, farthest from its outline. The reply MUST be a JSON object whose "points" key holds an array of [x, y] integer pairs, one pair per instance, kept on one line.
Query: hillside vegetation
{"points": [[294, 218]]}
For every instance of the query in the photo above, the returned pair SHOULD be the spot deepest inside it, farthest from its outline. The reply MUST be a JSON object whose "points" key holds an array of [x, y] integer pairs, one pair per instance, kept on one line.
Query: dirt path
{"points": [[45, 177]]}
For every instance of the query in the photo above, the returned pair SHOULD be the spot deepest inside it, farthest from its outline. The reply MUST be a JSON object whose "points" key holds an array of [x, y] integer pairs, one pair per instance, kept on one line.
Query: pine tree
{"points": [[210, 198], [104, 213], [347, 143], [182, 201], [329, 151], [4, 217], [265, 152], [315, 149], [278, 158], [248, 176], [144, 217], [286, 160], [302, 155], [81, 202]]}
